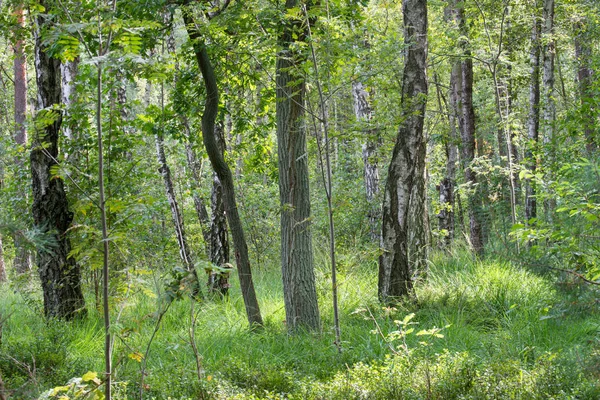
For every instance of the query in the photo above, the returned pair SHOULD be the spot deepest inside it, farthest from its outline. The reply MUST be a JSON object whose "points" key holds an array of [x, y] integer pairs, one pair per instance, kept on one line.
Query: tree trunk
{"points": [[364, 114], [219, 239], [549, 111], [299, 288], [22, 262], [222, 170], [199, 202], [69, 73], [2, 265], [184, 249], [404, 207], [448, 184], [533, 121], [467, 133], [59, 274], [583, 54]]}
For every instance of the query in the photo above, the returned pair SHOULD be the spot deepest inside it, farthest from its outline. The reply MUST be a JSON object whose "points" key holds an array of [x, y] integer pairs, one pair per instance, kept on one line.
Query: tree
{"points": [[22, 262], [211, 108], [59, 273], [404, 207], [299, 289], [533, 120], [467, 132]]}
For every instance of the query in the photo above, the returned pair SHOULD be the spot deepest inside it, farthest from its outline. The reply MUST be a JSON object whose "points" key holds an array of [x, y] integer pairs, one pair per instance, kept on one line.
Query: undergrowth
{"points": [[493, 330]]}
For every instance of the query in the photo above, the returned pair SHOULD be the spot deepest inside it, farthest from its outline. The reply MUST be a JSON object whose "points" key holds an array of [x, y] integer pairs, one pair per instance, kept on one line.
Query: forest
{"points": [[333, 199]]}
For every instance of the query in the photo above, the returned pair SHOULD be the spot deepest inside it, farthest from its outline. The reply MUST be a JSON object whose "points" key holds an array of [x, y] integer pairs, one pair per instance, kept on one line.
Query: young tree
{"points": [[533, 120], [404, 207], [22, 261], [467, 130], [211, 108], [299, 289], [585, 73], [59, 274]]}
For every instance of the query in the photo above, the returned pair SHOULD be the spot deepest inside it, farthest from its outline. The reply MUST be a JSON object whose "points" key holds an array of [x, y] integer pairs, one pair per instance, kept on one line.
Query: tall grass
{"points": [[509, 333]]}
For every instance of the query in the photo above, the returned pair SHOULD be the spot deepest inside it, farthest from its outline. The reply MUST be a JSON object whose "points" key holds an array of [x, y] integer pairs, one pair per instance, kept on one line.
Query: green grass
{"points": [[510, 334]]}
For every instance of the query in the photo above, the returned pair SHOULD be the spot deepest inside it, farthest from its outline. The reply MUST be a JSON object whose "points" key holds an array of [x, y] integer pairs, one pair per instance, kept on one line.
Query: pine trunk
{"points": [[404, 208], [2, 265], [59, 274]]}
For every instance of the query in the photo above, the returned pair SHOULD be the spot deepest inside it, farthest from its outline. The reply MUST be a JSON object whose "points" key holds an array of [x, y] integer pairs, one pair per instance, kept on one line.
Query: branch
{"points": [[577, 274]]}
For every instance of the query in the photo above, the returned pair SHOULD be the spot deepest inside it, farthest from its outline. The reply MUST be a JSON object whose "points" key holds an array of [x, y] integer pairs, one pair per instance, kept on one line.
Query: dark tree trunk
{"points": [[583, 54], [533, 121], [467, 133], [222, 170], [364, 114], [60, 274], [22, 262], [299, 288], [404, 207]]}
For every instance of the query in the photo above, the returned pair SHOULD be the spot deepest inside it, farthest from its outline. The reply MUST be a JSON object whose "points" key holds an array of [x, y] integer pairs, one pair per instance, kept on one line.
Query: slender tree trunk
{"points": [[404, 206], [219, 238], [364, 114], [184, 249], [533, 121], [299, 288], [22, 262], [549, 110], [209, 116], [583, 54], [199, 202], [447, 186], [2, 265], [467, 133], [60, 274]]}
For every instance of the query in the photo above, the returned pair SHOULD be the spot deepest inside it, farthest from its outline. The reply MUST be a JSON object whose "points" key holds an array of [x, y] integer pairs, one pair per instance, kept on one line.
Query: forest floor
{"points": [[480, 330]]}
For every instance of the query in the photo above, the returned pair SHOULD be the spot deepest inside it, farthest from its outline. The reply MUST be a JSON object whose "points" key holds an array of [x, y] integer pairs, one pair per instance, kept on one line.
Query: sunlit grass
{"points": [[502, 325]]}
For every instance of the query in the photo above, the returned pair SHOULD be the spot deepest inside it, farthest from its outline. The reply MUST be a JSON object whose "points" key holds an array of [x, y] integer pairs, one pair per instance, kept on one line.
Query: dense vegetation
{"points": [[309, 200]]}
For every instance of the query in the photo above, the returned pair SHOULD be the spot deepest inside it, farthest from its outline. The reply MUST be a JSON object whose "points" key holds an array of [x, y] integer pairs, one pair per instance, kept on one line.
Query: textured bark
{"points": [[184, 249], [583, 54], [222, 170], [467, 133], [533, 121], [219, 239], [364, 113], [404, 208], [448, 184], [59, 274], [299, 288], [68, 73], [22, 262]]}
